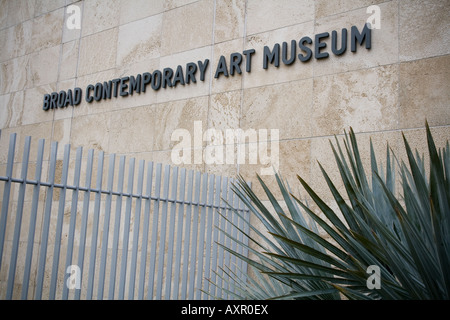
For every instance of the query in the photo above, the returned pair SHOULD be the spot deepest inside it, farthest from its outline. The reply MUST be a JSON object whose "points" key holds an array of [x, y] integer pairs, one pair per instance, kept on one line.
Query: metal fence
{"points": [[153, 237]]}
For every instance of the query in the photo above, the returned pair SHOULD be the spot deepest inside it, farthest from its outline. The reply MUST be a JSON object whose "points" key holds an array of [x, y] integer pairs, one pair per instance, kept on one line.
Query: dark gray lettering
{"points": [[271, 56], [221, 67], [319, 45]]}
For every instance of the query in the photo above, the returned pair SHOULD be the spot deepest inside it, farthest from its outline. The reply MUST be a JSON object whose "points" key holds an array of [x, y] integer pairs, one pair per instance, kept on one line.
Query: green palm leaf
{"points": [[406, 236]]}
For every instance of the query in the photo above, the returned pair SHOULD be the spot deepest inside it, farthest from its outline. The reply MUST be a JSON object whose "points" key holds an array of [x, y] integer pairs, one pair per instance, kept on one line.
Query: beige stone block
{"points": [[69, 59], [11, 109], [91, 132], [384, 41], [70, 32], [294, 159], [290, 112], [47, 30], [36, 131], [225, 110], [322, 152], [132, 130], [231, 82], [44, 6], [139, 40], [33, 100], [325, 8], [424, 92], [44, 66], [139, 9], [172, 4], [277, 14], [4, 13], [61, 134], [65, 112], [229, 20], [179, 114], [6, 36], [14, 74], [94, 107], [4, 147], [99, 15], [187, 28], [19, 11], [98, 52], [417, 140], [136, 99], [16, 40], [295, 71], [366, 100], [422, 29], [190, 90]]}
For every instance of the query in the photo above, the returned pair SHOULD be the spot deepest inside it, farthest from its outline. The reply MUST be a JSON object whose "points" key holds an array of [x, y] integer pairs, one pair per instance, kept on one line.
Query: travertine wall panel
{"points": [[381, 93], [98, 52], [364, 99], [424, 92], [422, 29], [394, 86], [264, 15], [385, 40], [187, 27]]}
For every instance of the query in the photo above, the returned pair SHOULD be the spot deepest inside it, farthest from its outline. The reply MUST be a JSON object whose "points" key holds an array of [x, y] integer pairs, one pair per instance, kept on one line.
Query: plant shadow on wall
{"points": [[385, 247]]}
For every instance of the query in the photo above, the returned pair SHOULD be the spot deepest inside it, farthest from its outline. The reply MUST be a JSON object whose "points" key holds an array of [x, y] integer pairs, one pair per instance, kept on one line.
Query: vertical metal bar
{"points": [[229, 215], [98, 197], [201, 240], [126, 230], [246, 215], [46, 222], [73, 219], [84, 218], [154, 232], [194, 241], [211, 256], [171, 233], [106, 220], [221, 224], [179, 234], [241, 238], [236, 246], [145, 231], [162, 241], [115, 245], [59, 223], [33, 214], [187, 236], [209, 244], [18, 224], [136, 226], [7, 192]]}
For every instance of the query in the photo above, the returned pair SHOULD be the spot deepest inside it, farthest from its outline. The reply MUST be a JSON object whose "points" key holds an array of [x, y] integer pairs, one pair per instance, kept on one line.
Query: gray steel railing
{"points": [[164, 245]]}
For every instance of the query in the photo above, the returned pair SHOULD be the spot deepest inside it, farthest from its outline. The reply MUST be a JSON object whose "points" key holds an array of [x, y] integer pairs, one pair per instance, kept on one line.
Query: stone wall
{"points": [[392, 88]]}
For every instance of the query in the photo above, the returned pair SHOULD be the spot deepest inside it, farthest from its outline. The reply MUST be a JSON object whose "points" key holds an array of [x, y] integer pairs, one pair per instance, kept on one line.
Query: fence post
{"points": [[18, 224], [183, 251], [32, 226], [6, 193]]}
